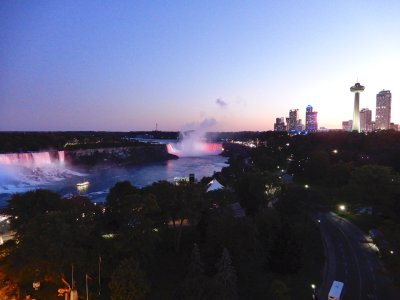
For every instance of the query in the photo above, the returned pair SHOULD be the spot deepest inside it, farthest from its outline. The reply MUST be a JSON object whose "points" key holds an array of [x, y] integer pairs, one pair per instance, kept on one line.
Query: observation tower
{"points": [[356, 89]]}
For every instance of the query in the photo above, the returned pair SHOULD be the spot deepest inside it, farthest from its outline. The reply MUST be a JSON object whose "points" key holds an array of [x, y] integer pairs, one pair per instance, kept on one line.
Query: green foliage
{"points": [[119, 205], [220, 198], [279, 291], [374, 182], [128, 282], [179, 204], [268, 224], [239, 235], [23, 207], [286, 252], [53, 238], [194, 286], [226, 279], [317, 166], [256, 189]]}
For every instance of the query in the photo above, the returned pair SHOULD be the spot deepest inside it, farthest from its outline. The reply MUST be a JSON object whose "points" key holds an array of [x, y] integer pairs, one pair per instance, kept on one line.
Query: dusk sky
{"points": [[127, 65]]}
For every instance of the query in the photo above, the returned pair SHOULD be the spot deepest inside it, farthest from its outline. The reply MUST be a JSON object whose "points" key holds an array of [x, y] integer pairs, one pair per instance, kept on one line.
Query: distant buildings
{"points": [[294, 123], [299, 126], [279, 124], [347, 125], [383, 110], [394, 126], [365, 120], [293, 120], [362, 120], [311, 119]]}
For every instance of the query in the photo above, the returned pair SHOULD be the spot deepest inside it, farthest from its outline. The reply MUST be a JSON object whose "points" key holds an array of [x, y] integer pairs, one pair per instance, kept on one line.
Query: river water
{"points": [[63, 179]]}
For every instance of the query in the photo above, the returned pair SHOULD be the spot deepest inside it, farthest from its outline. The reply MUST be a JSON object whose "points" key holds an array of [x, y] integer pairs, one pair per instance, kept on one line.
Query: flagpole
{"points": [[72, 277], [87, 290], [99, 273]]}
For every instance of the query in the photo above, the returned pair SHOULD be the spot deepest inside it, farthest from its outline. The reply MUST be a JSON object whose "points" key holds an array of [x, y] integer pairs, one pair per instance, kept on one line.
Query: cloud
{"points": [[221, 103], [202, 126]]}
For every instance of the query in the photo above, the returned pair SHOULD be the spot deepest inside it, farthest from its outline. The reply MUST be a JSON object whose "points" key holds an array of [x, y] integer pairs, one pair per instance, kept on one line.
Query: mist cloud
{"points": [[221, 103], [193, 140]]}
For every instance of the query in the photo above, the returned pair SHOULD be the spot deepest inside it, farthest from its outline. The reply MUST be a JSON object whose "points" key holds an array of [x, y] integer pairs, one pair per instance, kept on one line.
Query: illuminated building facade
{"points": [[365, 120], [293, 120], [383, 110], [311, 119]]}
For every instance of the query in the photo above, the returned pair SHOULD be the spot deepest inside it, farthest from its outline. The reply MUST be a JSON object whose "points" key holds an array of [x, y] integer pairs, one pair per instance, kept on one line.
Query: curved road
{"points": [[352, 260]]}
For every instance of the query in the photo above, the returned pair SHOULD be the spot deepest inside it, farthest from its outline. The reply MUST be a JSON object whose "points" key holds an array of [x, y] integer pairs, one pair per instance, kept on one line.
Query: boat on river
{"points": [[82, 184]]}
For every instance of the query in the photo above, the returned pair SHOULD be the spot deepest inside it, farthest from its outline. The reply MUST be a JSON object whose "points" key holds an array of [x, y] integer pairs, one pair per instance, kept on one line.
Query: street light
{"points": [[342, 207], [313, 286], [306, 186], [335, 151]]}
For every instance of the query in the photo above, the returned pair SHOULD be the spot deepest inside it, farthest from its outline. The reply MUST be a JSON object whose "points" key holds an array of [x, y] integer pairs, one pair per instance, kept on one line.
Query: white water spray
{"points": [[193, 142]]}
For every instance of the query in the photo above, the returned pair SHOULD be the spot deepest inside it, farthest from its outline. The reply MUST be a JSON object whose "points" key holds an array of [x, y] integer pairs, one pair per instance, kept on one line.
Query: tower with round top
{"points": [[356, 89]]}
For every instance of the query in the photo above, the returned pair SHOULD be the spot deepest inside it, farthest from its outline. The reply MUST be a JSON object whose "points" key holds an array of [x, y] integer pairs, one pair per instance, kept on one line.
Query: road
{"points": [[352, 260]]}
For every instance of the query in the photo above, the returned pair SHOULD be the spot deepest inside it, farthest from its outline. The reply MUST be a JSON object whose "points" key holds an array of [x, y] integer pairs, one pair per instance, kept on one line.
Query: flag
{"points": [[99, 259], [88, 277]]}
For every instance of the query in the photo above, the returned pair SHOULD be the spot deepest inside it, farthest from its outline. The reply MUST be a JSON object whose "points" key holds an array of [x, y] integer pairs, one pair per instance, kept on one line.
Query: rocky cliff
{"points": [[134, 155]]}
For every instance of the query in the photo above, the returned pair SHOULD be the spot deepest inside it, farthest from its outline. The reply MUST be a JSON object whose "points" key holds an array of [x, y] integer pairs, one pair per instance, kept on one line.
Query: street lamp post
{"points": [[313, 286]]}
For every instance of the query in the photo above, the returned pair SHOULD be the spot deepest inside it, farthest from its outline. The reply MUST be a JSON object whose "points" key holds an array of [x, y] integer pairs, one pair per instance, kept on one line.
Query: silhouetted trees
{"points": [[226, 279], [195, 283], [279, 291], [128, 282], [286, 252]]}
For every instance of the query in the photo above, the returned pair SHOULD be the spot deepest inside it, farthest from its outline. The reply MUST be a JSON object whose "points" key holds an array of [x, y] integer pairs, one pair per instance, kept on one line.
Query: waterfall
{"points": [[33, 159], [20, 172], [194, 149]]}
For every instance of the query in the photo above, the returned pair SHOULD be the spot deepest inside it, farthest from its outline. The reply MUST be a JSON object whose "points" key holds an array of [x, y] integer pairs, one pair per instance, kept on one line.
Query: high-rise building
{"points": [[311, 119], [394, 126], [347, 125], [279, 124], [371, 126], [356, 89], [292, 121], [365, 119], [383, 110], [299, 125]]}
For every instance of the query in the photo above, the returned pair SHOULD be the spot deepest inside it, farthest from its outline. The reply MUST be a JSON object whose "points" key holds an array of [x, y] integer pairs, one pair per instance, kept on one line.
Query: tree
{"points": [[256, 189], [119, 203], [179, 205], [268, 223], [226, 278], [23, 207], [378, 186], [239, 235], [52, 240], [317, 166], [279, 291], [195, 281], [128, 282], [285, 255]]}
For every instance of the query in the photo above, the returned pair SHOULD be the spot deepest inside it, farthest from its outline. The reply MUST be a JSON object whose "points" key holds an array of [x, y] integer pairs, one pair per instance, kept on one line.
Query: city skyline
{"points": [[129, 65]]}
